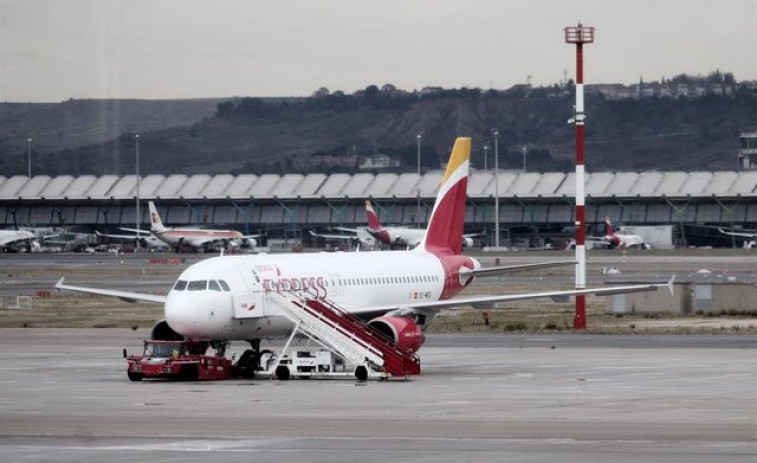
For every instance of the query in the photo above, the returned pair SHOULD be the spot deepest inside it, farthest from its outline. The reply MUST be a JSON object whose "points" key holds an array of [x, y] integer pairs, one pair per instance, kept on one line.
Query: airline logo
{"points": [[309, 286]]}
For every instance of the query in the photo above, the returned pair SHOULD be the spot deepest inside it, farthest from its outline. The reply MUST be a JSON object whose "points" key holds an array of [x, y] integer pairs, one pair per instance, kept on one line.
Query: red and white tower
{"points": [[580, 35]]}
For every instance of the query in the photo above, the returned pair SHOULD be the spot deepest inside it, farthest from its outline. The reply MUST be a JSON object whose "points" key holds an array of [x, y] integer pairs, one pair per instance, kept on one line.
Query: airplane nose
{"points": [[178, 313], [198, 314]]}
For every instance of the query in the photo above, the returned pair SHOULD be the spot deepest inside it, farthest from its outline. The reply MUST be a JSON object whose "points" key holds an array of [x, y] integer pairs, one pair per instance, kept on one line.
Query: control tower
{"points": [[747, 157]]}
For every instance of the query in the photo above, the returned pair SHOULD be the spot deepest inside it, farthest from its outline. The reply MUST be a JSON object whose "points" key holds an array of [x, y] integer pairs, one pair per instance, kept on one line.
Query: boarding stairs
{"points": [[347, 335]]}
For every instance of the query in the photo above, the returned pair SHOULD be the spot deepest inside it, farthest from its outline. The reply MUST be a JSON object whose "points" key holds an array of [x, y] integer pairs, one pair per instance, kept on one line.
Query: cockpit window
{"points": [[180, 285], [213, 286], [198, 285], [224, 285]]}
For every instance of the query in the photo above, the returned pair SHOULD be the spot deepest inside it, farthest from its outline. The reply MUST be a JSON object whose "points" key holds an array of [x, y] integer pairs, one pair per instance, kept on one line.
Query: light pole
{"points": [[418, 214], [486, 155], [524, 149], [136, 140], [495, 132], [29, 142]]}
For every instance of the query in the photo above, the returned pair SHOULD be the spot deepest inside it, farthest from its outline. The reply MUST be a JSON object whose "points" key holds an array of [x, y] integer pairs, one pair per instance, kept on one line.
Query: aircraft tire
{"points": [[361, 373], [282, 373], [246, 364]]}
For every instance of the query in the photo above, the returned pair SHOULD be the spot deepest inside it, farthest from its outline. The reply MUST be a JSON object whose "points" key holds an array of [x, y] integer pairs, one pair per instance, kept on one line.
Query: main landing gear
{"points": [[249, 361]]}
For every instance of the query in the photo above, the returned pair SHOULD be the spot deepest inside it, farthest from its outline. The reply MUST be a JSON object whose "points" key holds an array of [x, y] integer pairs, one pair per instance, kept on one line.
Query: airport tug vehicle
{"points": [[178, 360]]}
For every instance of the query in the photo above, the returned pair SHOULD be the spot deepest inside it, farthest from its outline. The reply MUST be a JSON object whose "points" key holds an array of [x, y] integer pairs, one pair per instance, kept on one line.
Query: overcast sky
{"points": [[52, 50]]}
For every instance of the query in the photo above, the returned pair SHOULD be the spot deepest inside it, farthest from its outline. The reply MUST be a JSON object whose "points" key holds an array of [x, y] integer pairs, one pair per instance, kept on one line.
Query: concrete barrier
{"points": [[689, 298]]}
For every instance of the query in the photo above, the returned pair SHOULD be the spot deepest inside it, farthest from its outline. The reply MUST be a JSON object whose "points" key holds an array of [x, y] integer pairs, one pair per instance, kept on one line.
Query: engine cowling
{"points": [[163, 332], [467, 242], [403, 331]]}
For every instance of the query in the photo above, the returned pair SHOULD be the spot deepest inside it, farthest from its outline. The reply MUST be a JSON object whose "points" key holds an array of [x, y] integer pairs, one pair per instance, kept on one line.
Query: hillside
{"points": [[282, 135]]}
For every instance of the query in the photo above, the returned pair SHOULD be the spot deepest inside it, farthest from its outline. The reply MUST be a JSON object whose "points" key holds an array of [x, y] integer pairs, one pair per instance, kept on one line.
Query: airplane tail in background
{"points": [[445, 227], [155, 223], [373, 221], [610, 230]]}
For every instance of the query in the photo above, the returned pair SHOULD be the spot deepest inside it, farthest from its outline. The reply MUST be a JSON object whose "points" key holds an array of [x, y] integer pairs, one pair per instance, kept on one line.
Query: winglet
{"points": [[669, 285], [59, 283]]}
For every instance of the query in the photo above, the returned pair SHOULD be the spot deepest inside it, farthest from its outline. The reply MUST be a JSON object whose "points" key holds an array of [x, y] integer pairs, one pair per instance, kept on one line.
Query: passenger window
{"points": [[224, 285], [198, 285], [180, 285], [213, 286]]}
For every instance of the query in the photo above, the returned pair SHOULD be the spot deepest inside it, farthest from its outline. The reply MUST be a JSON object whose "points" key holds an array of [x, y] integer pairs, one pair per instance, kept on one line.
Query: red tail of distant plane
{"points": [[373, 221], [445, 227], [610, 230]]}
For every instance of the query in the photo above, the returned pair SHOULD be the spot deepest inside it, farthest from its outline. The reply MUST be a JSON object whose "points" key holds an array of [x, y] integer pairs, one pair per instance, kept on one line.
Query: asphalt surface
{"points": [[569, 398]]}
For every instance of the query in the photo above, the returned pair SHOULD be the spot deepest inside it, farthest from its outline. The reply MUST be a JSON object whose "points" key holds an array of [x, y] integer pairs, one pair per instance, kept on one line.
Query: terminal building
{"points": [[533, 206]]}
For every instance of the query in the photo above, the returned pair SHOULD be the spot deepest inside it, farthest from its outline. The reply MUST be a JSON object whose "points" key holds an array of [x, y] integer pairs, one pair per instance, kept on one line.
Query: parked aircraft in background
{"points": [[750, 235], [619, 240], [18, 241], [145, 238], [401, 236], [398, 292], [198, 239]]}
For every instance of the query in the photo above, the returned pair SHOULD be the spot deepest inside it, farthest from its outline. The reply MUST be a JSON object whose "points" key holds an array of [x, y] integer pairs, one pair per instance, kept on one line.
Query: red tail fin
{"points": [[373, 221], [444, 234], [610, 230]]}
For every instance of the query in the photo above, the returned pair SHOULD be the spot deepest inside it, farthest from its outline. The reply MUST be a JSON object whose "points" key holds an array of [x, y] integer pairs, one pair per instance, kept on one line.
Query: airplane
{"points": [[195, 238], [19, 241], [360, 236], [751, 236], [621, 240], [147, 241], [237, 297], [401, 236]]}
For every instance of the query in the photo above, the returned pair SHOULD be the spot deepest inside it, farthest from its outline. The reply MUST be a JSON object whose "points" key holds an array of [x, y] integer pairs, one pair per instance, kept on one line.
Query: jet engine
{"points": [[401, 330], [467, 242], [162, 332]]}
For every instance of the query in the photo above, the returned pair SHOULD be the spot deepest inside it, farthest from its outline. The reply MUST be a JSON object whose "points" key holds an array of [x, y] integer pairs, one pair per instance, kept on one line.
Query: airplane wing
{"points": [[739, 234], [351, 230], [124, 295], [490, 271], [122, 237], [333, 237], [257, 235], [134, 230], [480, 302]]}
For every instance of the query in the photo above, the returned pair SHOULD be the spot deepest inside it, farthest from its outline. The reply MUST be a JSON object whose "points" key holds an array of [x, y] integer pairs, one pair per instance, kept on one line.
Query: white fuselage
{"points": [[244, 309], [198, 238], [622, 240]]}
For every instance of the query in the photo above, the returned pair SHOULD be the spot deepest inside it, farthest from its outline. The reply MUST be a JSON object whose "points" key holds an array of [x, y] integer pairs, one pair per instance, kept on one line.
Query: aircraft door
{"points": [[249, 298]]}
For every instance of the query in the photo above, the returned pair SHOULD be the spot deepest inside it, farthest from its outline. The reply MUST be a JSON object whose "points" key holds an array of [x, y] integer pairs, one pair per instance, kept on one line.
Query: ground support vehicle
{"points": [[178, 360]]}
